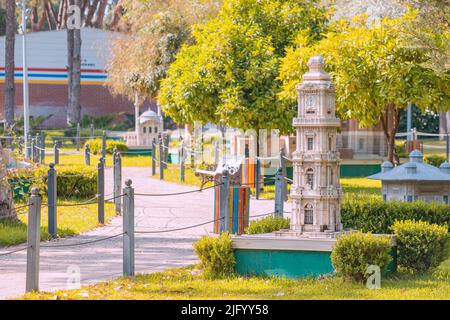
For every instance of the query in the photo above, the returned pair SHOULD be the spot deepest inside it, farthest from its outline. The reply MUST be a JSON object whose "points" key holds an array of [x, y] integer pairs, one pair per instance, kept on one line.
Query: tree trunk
{"points": [[70, 46], [116, 17], [6, 199], [390, 121], [51, 15], [90, 15], [98, 23], [74, 110], [62, 14], [9, 62]]}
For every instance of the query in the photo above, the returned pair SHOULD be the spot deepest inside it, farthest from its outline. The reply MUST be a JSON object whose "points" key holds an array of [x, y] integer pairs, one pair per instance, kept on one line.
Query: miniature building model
{"points": [[150, 124], [414, 180], [316, 193]]}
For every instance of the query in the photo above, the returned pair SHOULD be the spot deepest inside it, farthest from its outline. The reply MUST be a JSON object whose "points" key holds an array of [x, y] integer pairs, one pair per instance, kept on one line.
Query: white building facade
{"points": [[316, 192], [414, 180]]}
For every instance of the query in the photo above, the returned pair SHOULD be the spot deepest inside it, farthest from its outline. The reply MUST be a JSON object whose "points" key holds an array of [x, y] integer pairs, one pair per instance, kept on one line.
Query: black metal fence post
{"points": [[87, 154], [279, 199], [257, 178], [117, 159], [52, 198], [56, 153], [101, 190], [160, 158], [42, 151], [104, 144], [181, 158], [33, 241], [128, 229], [153, 157], [224, 198]]}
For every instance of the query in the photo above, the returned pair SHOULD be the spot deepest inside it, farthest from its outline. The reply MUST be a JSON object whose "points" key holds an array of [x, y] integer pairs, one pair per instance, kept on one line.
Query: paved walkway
{"points": [[103, 260]]}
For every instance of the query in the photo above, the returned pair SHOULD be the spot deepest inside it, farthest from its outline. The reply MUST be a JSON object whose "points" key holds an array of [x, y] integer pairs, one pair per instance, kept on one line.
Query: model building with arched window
{"points": [[316, 193]]}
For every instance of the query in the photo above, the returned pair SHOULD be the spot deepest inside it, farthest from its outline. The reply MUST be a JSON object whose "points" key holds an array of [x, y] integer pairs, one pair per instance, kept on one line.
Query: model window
{"points": [[361, 144], [310, 143], [145, 129], [329, 143], [384, 197], [310, 177], [149, 129], [446, 199], [156, 129], [409, 198], [309, 214]]}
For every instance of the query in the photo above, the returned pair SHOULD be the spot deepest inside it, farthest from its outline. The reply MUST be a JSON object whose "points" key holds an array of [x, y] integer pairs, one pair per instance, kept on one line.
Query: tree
{"points": [[9, 61], [157, 29], [375, 72], [74, 71], [229, 75], [431, 32]]}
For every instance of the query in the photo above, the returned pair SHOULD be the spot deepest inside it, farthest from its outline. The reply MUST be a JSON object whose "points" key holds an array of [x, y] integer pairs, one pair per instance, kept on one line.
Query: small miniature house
{"points": [[149, 126], [414, 180]]}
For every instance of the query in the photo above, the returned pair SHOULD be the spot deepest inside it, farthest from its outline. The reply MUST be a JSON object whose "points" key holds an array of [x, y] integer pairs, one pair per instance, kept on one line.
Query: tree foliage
{"points": [[375, 72], [431, 32], [156, 31], [230, 74]]}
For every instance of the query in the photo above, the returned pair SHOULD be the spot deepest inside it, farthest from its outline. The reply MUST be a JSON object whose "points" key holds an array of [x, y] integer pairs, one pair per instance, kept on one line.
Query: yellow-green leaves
{"points": [[230, 75]]}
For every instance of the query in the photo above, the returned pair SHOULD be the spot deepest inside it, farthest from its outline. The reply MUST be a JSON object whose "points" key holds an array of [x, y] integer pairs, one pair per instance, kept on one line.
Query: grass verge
{"points": [[71, 221], [186, 283]]}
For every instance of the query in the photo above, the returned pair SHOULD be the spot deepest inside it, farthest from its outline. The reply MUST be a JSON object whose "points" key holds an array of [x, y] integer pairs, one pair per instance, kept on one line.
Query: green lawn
{"points": [[71, 221], [78, 159], [186, 283]]}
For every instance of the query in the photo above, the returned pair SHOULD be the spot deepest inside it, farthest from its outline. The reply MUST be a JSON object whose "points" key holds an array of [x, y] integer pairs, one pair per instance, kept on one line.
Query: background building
{"points": [[414, 180], [47, 73]]}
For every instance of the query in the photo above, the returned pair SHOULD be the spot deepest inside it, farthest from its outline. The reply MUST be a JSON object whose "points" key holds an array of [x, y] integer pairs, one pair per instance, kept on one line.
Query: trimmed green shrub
{"points": [[420, 244], [435, 160], [400, 150], [72, 181], [369, 213], [20, 186], [267, 225], [442, 272], [96, 146], [216, 256], [353, 253]]}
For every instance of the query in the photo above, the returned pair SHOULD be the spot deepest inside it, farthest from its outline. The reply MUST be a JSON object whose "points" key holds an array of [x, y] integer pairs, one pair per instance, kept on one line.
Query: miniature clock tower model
{"points": [[315, 192]]}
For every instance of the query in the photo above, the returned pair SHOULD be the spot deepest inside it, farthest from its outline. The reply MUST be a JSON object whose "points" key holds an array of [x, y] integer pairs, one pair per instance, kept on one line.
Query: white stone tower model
{"points": [[316, 192]]}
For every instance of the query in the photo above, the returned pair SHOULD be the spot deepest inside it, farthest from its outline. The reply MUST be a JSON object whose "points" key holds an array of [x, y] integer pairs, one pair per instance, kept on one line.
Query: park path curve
{"points": [[103, 260]]}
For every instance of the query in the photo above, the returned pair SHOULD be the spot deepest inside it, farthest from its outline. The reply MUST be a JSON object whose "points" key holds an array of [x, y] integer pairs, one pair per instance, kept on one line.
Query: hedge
{"points": [[216, 256], [369, 213], [267, 225], [353, 253], [435, 160], [420, 244], [95, 146], [72, 181]]}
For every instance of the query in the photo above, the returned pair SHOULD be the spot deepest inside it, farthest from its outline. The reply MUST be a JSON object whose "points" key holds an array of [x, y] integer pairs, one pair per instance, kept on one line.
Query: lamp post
{"points": [[26, 106]]}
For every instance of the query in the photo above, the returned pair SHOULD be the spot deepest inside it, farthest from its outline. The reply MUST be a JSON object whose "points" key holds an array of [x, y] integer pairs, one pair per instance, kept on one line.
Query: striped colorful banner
{"points": [[56, 76], [249, 173], [239, 206], [410, 146]]}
